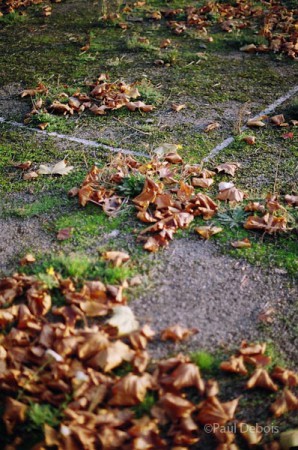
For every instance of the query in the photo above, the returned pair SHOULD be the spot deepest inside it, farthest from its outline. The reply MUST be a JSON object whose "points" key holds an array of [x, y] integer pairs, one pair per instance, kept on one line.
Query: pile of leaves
{"points": [[173, 195], [103, 96], [274, 21], [88, 360], [10, 6]]}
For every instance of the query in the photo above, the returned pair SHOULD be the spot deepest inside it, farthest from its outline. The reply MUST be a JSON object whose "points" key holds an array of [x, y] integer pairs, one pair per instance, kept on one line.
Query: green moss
{"points": [[144, 408], [42, 206], [205, 361]]}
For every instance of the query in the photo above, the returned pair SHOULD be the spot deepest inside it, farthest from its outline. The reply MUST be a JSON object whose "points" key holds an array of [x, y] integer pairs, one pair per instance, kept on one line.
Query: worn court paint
{"points": [[95, 144], [268, 110], [66, 137]]}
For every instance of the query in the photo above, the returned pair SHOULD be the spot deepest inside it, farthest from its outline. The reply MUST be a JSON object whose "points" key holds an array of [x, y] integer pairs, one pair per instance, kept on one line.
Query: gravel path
{"points": [[197, 287]]}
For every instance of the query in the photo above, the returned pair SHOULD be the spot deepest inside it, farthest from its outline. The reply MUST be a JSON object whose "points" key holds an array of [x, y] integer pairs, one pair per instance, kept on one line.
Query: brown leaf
{"points": [[132, 106], [14, 414], [250, 433], [231, 194], [185, 375], [285, 376], [165, 43], [285, 403], [112, 356], [27, 259], [278, 120], [123, 319], [173, 158], [131, 390], [40, 89], [175, 406], [261, 378], [250, 140], [234, 365], [177, 333], [244, 243], [292, 200], [211, 127], [212, 411], [30, 176], [116, 258], [176, 107], [204, 183], [255, 123], [269, 223], [64, 233], [23, 166], [229, 168], [207, 231]]}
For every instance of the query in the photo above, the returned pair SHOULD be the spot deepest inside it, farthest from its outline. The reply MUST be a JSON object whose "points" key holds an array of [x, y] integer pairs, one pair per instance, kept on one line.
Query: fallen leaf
{"points": [[30, 176], [244, 243], [285, 403], [261, 378], [23, 166], [229, 168], [285, 376], [176, 107], [27, 259], [231, 194], [278, 120], [131, 389], [177, 333], [207, 231], [255, 123], [292, 200], [64, 233], [250, 140], [123, 319], [204, 183], [213, 412], [251, 433], [14, 414], [289, 439], [60, 168], [234, 365], [116, 258], [289, 135], [165, 43], [211, 127], [269, 223]]}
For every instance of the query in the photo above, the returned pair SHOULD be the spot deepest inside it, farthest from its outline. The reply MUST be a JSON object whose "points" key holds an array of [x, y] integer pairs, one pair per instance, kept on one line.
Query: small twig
{"points": [[130, 126]]}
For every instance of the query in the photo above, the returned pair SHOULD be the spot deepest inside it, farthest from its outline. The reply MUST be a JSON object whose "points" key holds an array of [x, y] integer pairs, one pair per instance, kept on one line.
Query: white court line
{"points": [[66, 137], [268, 110]]}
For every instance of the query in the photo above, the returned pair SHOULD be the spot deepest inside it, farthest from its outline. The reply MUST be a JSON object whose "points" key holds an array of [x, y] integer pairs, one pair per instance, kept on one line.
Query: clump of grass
{"points": [[136, 43], [149, 93], [41, 414], [132, 185], [145, 407], [204, 360], [233, 218], [55, 123]]}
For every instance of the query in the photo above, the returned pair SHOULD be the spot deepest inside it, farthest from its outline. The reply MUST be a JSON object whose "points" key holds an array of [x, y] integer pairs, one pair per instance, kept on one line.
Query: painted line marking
{"points": [[95, 144], [266, 111], [66, 137]]}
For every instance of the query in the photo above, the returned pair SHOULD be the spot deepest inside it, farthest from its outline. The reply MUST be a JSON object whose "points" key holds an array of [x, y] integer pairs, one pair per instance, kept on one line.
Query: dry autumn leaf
{"points": [[261, 379], [123, 319], [285, 403], [211, 127], [229, 168], [60, 168], [64, 233], [116, 258], [244, 243], [176, 107], [177, 333], [207, 231]]}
